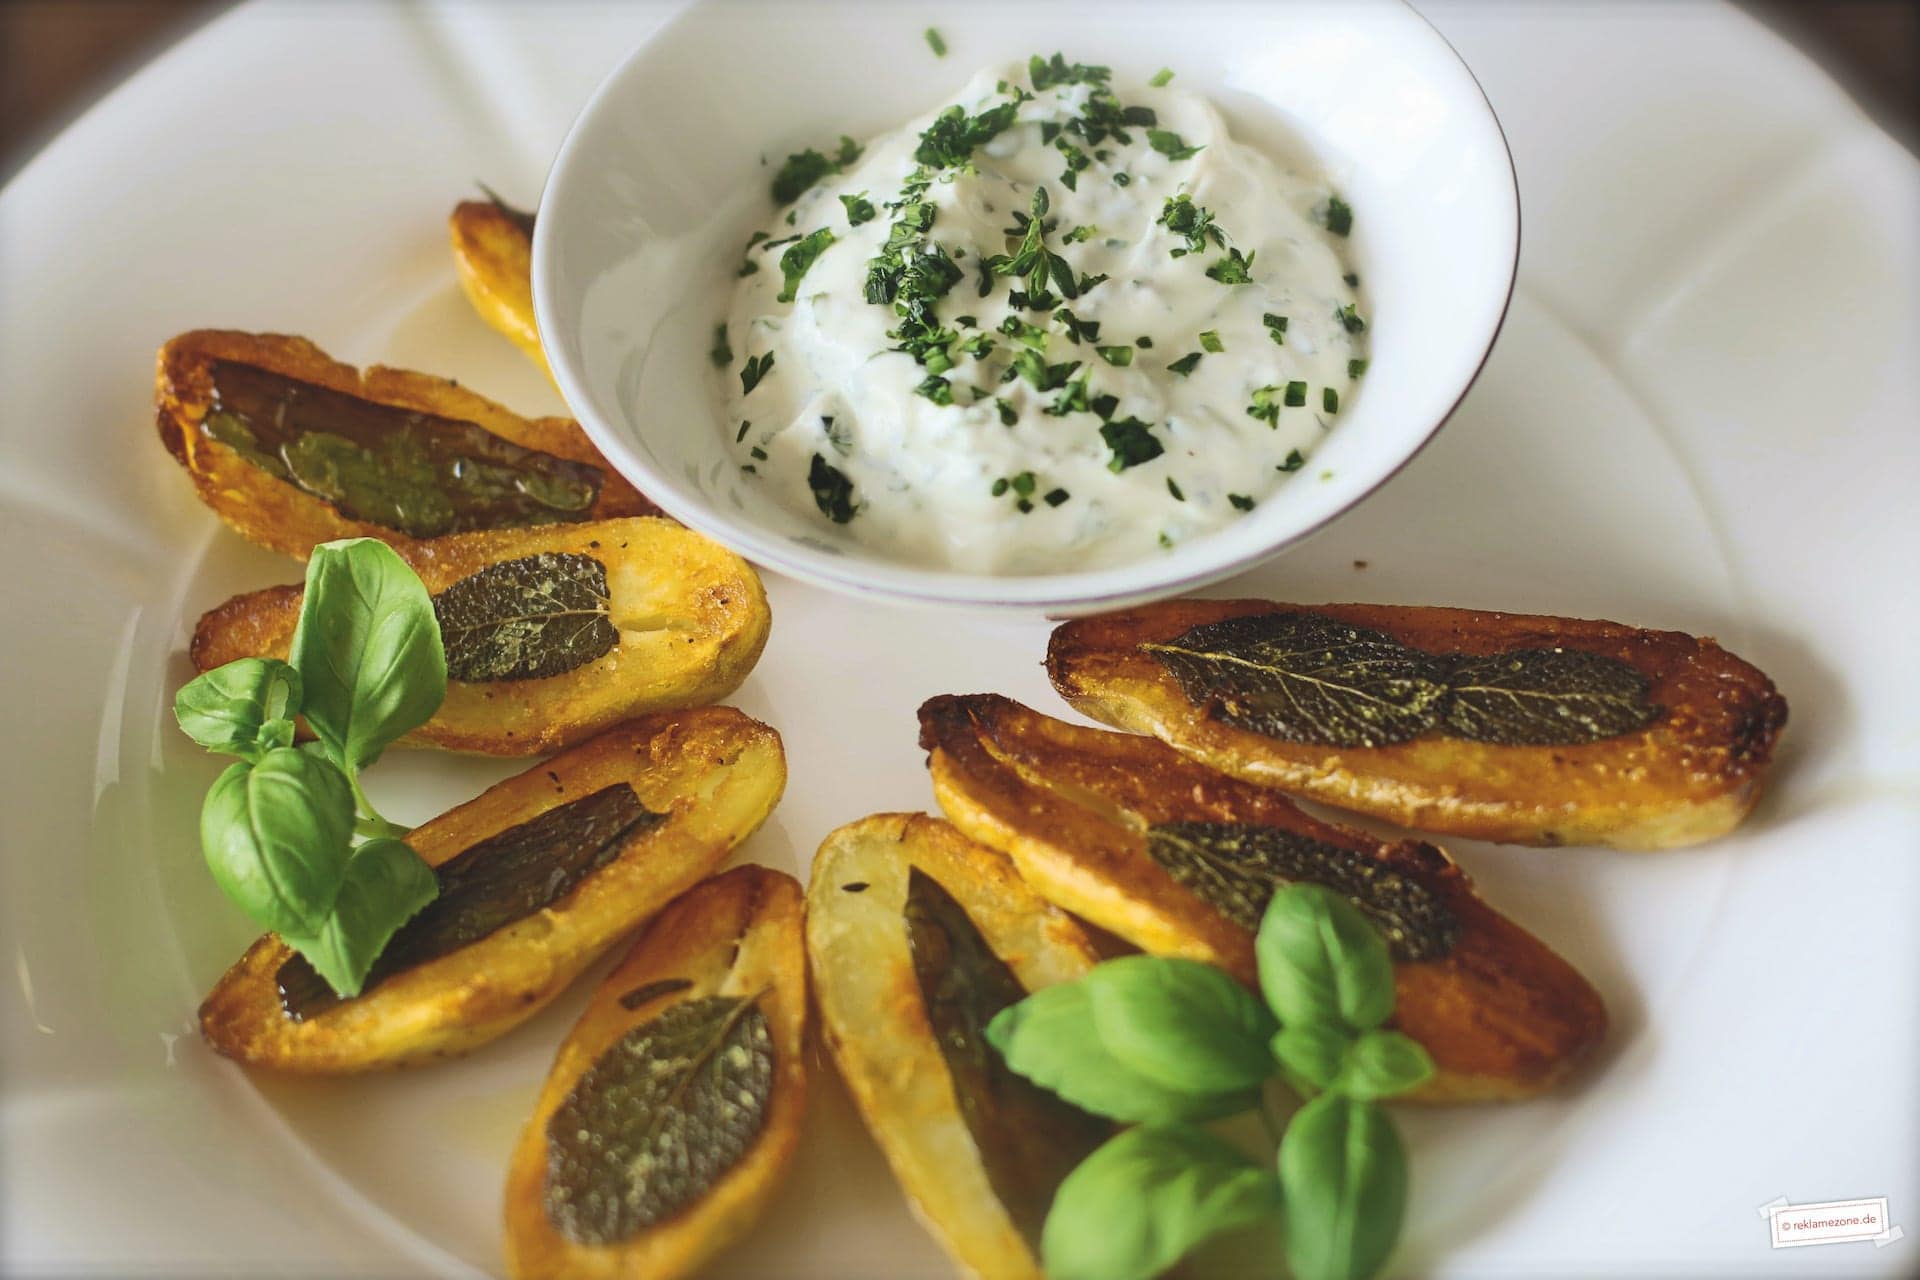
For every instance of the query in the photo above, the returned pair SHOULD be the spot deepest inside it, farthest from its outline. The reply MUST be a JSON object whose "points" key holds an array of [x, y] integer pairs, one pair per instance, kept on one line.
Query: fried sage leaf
{"points": [[525, 619], [1546, 697], [658, 1119], [1028, 1139], [1236, 867], [1303, 677]]}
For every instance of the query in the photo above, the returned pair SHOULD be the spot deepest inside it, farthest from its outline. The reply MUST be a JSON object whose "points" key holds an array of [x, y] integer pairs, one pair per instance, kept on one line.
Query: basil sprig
{"points": [[1163, 1043], [279, 827]]}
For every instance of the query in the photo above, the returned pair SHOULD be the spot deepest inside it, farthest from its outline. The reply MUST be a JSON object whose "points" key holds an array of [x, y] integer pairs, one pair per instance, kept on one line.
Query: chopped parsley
{"points": [[1008, 417], [1232, 269], [1210, 340], [1161, 78], [1355, 368], [1339, 216], [1030, 334], [1174, 489], [935, 388], [1265, 407], [936, 42], [1051, 72], [1276, 327], [859, 209], [1078, 162], [1171, 145], [1118, 357], [954, 135], [803, 169], [1350, 320], [832, 491], [1329, 400], [1132, 443], [1183, 217], [1295, 461], [756, 368], [1240, 501], [1081, 234], [799, 258], [1296, 394], [722, 352], [1185, 364]]}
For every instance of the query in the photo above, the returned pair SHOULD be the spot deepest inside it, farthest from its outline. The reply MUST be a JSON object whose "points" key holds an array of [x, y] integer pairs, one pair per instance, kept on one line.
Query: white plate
{"points": [[1701, 415]]}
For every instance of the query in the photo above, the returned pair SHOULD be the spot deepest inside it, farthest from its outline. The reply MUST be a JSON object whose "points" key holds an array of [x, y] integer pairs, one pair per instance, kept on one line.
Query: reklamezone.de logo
{"points": [[1829, 1222]]}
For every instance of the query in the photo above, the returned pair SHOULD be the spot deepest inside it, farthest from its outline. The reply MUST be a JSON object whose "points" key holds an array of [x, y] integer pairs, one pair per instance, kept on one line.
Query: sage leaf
{"points": [[1050, 1039], [658, 1119], [1321, 961], [1235, 868], [1380, 1064], [1148, 1197], [386, 882], [276, 835], [526, 619], [1546, 697], [1304, 677], [245, 708], [1343, 1173], [1311, 1054], [368, 650], [1180, 1023]]}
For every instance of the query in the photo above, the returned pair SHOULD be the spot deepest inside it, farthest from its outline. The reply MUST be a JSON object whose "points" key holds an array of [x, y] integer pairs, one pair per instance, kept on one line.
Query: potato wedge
{"points": [[700, 782], [685, 621], [872, 881], [517, 471], [1686, 764], [1092, 820], [493, 251], [734, 938]]}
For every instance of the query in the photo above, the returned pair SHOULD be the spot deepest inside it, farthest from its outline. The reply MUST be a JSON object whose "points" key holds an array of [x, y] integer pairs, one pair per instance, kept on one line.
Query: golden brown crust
{"points": [[494, 256], [692, 618], [737, 934], [1689, 776], [875, 1022], [279, 515], [1501, 1014], [714, 772]]}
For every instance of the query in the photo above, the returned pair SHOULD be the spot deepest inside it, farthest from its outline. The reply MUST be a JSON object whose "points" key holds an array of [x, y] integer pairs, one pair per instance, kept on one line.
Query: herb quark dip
{"points": [[1057, 324]]}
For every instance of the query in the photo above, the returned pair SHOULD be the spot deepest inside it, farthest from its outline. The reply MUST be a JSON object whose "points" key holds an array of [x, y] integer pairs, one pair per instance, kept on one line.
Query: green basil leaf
{"points": [[276, 835], [1312, 1053], [386, 883], [1380, 1064], [1180, 1023], [244, 709], [1344, 1176], [1321, 960], [1049, 1038], [1141, 1202], [367, 649]]}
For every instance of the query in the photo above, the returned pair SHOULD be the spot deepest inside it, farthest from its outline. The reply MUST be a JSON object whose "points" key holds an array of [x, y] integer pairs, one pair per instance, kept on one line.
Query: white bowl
{"points": [[664, 175]]}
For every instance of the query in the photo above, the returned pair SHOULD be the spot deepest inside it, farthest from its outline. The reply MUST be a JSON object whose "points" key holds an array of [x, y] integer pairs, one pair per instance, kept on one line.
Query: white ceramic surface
{"points": [[1700, 415], [641, 226]]}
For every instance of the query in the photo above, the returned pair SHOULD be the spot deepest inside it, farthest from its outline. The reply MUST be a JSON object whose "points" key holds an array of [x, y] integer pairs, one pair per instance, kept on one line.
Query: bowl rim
{"points": [[1042, 591]]}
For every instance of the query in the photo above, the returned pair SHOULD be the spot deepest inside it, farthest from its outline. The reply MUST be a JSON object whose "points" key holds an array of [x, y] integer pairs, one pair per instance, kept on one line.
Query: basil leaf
{"points": [[276, 836], [367, 649], [1181, 1024], [385, 884], [1049, 1038], [1343, 1173], [1380, 1064], [244, 709], [1141, 1202], [1303, 677], [1312, 1054], [1321, 961], [1546, 697]]}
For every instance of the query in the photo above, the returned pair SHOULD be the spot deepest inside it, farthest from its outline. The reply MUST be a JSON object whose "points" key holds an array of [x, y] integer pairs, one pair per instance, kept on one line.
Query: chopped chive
{"points": [[1264, 407], [758, 454], [1240, 501], [1174, 489], [936, 389], [1296, 394], [1119, 357], [1330, 400], [1057, 496], [749, 469], [1355, 368], [1210, 339], [936, 42], [1161, 77], [1185, 364], [1276, 327], [744, 426]]}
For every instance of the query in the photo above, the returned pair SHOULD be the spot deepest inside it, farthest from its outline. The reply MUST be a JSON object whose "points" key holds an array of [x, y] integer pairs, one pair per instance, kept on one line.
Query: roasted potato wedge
{"points": [[898, 901], [1691, 729], [672, 619], [416, 456], [728, 956], [601, 837], [493, 250], [1115, 828]]}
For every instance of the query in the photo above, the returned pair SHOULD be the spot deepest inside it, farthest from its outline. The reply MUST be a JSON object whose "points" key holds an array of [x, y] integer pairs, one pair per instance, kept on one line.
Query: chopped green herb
{"points": [[832, 491], [799, 257], [936, 389], [1352, 278], [936, 42], [1132, 443], [742, 434], [1007, 416], [1183, 217], [1232, 269], [1240, 501], [1174, 489], [1077, 162], [1165, 541], [1077, 328], [1350, 319], [1210, 339], [1104, 405], [1296, 394], [756, 368], [1276, 327], [954, 135], [758, 454], [1295, 461], [1339, 216], [1171, 144], [1048, 73], [1355, 368], [1143, 342], [1265, 407], [1329, 400], [1185, 364], [803, 169], [1031, 334], [1080, 234], [1122, 178], [1161, 78], [722, 352], [1023, 484], [859, 209], [1119, 357], [1056, 496], [1000, 487]]}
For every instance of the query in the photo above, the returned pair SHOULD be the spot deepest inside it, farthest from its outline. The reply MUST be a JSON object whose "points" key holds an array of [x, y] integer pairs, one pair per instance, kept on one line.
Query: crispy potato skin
{"points": [[716, 773], [737, 934], [1691, 775], [875, 1023], [1501, 1014], [284, 517], [692, 616], [495, 260]]}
